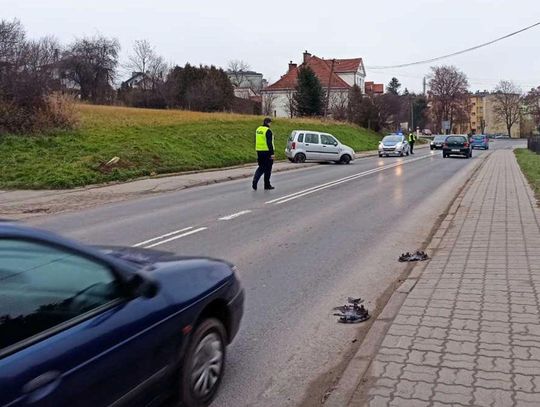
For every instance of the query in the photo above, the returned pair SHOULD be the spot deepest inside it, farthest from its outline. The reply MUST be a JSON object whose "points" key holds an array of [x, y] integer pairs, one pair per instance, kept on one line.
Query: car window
{"points": [[392, 139], [301, 138], [478, 137], [456, 139], [328, 140], [312, 138], [42, 286], [439, 138]]}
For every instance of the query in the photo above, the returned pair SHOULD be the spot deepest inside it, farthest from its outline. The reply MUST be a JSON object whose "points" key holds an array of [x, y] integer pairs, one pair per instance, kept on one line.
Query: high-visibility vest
{"points": [[412, 137], [260, 139]]}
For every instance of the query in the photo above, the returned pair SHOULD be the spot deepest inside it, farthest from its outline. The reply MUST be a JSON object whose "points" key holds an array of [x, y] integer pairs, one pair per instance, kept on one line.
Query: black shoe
{"points": [[269, 187], [254, 186]]}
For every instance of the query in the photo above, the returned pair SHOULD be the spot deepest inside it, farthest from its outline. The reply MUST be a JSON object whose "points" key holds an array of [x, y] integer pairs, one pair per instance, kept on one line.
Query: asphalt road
{"points": [[326, 233]]}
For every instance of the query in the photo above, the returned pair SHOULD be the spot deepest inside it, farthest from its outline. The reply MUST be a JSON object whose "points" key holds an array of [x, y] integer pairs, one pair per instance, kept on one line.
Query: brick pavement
{"points": [[468, 334]]}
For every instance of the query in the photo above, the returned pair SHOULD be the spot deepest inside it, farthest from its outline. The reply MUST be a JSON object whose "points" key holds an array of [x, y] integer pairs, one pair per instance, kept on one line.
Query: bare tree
{"points": [[91, 63], [448, 91], [290, 103], [147, 62], [508, 103], [532, 103], [339, 104], [237, 70], [268, 101]]}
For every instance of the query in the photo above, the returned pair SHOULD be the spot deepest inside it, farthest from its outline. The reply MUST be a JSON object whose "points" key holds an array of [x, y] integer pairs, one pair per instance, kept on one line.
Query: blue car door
{"points": [[69, 335]]}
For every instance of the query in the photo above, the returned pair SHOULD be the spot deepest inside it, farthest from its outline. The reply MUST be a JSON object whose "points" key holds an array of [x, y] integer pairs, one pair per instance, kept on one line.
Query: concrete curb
{"points": [[342, 393]]}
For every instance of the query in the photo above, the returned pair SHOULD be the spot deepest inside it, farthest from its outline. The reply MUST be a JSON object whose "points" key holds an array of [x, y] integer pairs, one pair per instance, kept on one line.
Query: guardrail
{"points": [[533, 144]]}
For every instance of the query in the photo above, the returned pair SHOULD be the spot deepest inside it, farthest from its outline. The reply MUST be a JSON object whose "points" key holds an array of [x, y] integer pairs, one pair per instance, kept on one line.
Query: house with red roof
{"points": [[336, 76]]}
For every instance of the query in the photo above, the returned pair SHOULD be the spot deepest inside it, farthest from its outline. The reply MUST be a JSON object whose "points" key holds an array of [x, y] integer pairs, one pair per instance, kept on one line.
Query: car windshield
{"points": [[391, 139], [439, 138]]}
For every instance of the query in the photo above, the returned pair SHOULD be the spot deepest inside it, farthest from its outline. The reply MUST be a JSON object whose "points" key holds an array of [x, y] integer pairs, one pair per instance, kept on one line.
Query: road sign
{"points": [[446, 125]]}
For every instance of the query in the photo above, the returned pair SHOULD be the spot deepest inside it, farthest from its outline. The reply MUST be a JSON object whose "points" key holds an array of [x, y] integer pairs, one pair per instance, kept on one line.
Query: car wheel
{"points": [[345, 159], [431, 148], [204, 364], [300, 158], [380, 155], [409, 152], [291, 160], [444, 155]]}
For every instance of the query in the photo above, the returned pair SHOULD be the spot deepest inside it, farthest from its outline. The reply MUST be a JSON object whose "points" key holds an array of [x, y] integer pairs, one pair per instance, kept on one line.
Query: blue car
{"points": [[480, 141], [84, 326]]}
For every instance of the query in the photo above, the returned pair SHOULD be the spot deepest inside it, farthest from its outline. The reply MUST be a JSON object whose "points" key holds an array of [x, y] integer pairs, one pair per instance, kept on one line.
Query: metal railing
{"points": [[533, 144]]}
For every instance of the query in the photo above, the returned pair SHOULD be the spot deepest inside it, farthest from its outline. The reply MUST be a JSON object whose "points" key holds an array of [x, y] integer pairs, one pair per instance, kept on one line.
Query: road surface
{"points": [[327, 232]]}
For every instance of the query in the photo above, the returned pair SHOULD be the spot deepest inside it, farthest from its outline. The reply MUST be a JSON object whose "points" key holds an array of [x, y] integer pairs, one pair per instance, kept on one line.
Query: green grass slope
{"points": [[148, 142]]}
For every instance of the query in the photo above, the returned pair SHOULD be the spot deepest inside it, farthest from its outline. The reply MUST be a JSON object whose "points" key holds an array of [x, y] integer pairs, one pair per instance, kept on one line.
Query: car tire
{"points": [[300, 158], [208, 343], [431, 148], [444, 156], [408, 152], [345, 159], [380, 155], [291, 160]]}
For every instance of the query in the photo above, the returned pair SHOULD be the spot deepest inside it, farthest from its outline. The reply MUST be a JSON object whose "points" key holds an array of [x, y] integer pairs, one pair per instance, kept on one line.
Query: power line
{"points": [[426, 61]]}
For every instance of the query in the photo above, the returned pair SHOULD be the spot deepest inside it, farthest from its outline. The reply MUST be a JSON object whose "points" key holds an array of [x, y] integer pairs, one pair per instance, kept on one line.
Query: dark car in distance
{"points": [[437, 142], [457, 145], [85, 326], [480, 141]]}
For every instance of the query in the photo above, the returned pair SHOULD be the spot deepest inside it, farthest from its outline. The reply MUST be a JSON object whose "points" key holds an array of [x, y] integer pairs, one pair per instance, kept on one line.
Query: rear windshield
{"points": [[456, 139], [439, 138], [478, 137], [291, 137]]}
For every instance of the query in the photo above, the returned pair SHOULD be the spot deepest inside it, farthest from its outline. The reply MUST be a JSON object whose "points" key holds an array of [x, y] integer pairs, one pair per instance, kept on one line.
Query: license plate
{"points": [[455, 150]]}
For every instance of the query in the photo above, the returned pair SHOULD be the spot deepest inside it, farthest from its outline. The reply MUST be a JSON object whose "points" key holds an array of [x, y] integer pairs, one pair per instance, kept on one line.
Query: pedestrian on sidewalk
{"points": [[264, 145], [412, 140]]}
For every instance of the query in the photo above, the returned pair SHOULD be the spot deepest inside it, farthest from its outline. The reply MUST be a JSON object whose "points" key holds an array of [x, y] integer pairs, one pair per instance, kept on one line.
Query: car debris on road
{"points": [[353, 312], [418, 256]]}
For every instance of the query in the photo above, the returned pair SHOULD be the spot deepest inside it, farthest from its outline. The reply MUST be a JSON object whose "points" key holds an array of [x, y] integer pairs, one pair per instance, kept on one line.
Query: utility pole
{"points": [[411, 108], [328, 88], [424, 85]]}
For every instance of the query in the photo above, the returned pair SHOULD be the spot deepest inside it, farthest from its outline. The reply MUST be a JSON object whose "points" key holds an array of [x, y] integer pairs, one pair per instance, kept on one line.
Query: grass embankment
{"points": [[148, 142], [530, 165]]}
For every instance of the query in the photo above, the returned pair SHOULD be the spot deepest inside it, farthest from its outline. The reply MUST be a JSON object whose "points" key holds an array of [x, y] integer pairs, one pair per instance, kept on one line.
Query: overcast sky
{"points": [[267, 34]]}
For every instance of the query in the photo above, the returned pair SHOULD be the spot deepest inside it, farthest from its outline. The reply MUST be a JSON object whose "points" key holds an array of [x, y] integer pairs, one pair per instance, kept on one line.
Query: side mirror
{"points": [[139, 286]]}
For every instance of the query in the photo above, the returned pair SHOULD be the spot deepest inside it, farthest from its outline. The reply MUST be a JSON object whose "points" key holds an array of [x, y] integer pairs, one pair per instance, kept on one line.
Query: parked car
{"points": [[457, 145], [437, 142], [110, 326], [480, 141], [394, 144], [304, 145]]}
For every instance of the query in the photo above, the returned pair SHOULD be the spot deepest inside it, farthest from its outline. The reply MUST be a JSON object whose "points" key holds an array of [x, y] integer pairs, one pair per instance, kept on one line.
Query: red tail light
{"points": [[293, 145], [466, 144]]}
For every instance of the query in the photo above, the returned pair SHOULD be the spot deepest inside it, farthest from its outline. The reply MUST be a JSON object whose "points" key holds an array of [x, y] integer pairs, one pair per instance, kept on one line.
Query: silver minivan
{"points": [[316, 146]]}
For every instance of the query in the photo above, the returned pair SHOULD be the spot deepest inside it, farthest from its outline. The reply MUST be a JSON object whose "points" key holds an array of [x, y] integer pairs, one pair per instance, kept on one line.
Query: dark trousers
{"points": [[411, 143], [265, 167]]}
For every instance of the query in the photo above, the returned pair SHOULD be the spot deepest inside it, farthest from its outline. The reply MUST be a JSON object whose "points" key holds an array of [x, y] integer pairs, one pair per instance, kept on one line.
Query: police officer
{"points": [[264, 144], [412, 140]]}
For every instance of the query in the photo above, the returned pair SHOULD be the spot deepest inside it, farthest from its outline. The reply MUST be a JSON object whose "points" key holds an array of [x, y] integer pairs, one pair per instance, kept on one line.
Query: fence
{"points": [[533, 144]]}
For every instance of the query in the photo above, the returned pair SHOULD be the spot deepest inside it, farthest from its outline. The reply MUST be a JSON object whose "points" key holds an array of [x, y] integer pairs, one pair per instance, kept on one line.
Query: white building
{"points": [[335, 75]]}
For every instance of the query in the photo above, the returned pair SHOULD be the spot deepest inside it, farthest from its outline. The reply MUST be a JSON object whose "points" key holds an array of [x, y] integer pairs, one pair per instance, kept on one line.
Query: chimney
{"points": [[307, 55], [292, 65]]}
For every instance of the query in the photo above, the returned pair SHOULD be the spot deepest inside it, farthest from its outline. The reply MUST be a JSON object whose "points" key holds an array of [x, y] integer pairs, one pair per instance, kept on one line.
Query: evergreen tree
{"points": [[354, 110], [393, 86], [309, 97]]}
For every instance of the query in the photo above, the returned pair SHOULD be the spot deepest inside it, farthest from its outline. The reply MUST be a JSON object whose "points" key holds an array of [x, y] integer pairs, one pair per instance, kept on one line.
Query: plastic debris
{"points": [[418, 256], [353, 312]]}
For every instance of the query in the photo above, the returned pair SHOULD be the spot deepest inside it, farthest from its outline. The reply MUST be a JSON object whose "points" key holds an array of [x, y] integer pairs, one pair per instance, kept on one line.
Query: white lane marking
{"points": [[234, 215], [162, 236], [317, 188], [191, 232]]}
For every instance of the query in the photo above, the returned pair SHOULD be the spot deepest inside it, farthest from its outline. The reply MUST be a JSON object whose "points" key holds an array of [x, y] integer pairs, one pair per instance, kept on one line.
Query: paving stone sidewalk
{"points": [[468, 334]]}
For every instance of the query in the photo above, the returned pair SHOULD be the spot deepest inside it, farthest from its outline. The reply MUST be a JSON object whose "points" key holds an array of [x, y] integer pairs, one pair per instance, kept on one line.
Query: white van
{"points": [[315, 146]]}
